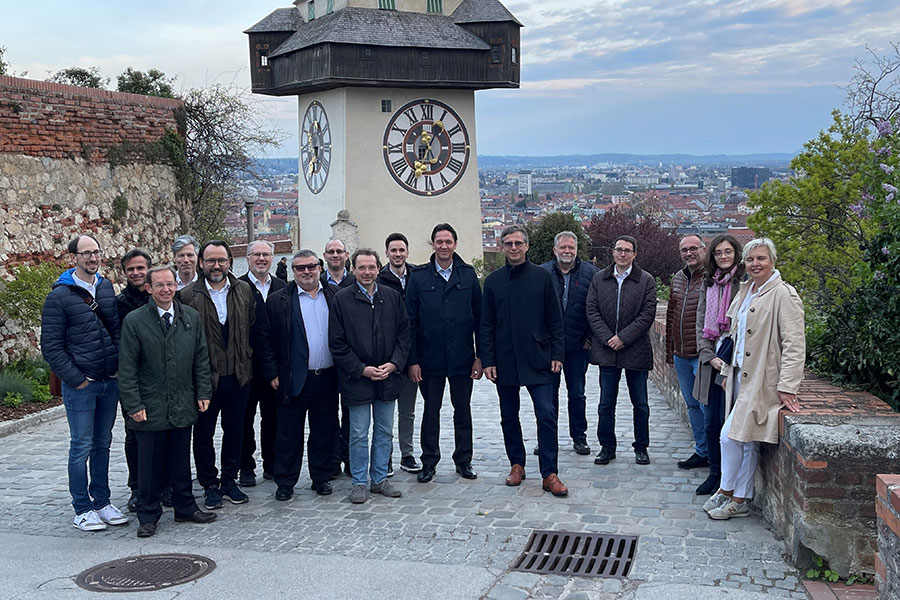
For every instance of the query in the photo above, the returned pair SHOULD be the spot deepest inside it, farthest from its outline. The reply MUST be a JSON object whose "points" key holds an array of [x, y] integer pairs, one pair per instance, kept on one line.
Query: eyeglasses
{"points": [[725, 252], [216, 261], [261, 254], [161, 285], [690, 250], [623, 250], [89, 254], [514, 244], [301, 268]]}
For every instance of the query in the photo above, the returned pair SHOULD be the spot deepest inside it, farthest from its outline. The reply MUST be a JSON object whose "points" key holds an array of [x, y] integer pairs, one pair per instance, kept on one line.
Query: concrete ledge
{"points": [[11, 427]]}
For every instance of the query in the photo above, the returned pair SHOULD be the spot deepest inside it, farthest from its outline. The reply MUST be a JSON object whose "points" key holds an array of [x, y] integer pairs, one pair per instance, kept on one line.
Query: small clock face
{"points": [[315, 146], [426, 147]]}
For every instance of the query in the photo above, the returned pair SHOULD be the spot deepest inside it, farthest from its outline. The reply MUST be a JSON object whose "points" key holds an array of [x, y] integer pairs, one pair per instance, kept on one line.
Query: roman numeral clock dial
{"points": [[426, 147], [315, 147]]}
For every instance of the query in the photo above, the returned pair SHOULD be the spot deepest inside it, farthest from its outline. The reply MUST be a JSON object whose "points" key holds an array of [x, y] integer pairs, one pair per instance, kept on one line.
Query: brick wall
{"points": [[887, 562], [52, 120], [816, 487]]}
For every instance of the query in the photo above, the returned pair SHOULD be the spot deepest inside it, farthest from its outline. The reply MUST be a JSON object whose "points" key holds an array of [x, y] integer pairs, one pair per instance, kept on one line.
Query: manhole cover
{"points": [[145, 573], [581, 554]]}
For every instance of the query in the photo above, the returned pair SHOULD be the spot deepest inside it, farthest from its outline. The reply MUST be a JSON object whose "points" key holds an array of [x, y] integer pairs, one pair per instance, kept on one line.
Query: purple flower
{"points": [[889, 189], [885, 251], [886, 168], [884, 128], [857, 209], [889, 197], [878, 276], [886, 149], [866, 197]]}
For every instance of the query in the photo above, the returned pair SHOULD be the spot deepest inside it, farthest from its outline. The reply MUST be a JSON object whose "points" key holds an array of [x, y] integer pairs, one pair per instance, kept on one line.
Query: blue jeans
{"points": [[574, 369], [382, 420], [546, 415], [609, 392], [686, 368], [91, 413]]}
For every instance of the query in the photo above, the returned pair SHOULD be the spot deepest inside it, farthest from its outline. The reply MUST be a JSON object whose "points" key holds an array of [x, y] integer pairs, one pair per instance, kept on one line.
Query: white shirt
{"points": [[170, 312], [620, 278], [90, 287], [179, 284], [315, 321], [445, 273], [262, 287], [402, 277], [219, 298], [742, 320]]}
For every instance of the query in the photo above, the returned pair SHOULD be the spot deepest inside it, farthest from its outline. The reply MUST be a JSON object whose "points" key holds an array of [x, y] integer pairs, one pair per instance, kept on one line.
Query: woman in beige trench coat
{"points": [[765, 374]]}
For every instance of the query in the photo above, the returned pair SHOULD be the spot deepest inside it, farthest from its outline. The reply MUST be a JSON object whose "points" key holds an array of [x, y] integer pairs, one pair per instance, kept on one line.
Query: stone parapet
{"points": [[887, 561]]}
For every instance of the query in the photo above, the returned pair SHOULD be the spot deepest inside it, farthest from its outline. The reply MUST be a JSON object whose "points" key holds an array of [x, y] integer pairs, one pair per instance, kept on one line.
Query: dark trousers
{"points": [[164, 454], [609, 392], [131, 454], [261, 394], [319, 401], [574, 369], [230, 399], [715, 418], [546, 416], [461, 398], [341, 450]]}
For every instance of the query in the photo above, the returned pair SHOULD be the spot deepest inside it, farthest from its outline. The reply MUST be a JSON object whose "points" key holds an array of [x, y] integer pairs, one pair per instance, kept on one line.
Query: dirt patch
{"points": [[9, 413]]}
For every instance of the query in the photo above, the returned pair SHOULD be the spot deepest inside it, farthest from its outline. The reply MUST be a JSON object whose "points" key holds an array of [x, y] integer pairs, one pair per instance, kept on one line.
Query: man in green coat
{"points": [[164, 380]]}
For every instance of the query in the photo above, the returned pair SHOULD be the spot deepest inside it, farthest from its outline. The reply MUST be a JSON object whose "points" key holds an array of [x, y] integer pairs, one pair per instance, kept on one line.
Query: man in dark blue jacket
{"points": [[443, 299], [572, 280], [80, 341]]}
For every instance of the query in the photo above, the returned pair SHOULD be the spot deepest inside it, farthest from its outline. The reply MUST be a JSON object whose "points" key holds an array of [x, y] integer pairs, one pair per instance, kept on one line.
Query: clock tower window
{"points": [[434, 6], [386, 105], [311, 8], [387, 4]]}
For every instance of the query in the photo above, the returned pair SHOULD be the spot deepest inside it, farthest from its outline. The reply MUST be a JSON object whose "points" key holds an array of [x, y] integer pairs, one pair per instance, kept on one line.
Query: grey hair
{"points": [[563, 234], [756, 243], [514, 229], [304, 254], [160, 269], [183, 240], [266, 242], [696, 235]]}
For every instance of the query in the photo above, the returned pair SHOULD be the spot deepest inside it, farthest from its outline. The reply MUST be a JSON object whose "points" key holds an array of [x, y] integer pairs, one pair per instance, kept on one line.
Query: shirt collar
{"points": [[256, 281], [210, 289], [171, 311], [623, 275], [330, 279], [301, 291]]}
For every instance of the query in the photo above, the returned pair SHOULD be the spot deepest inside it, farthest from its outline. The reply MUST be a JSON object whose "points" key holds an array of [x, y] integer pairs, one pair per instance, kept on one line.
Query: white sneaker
{"points": [[111, 515], [732, 509], [715, 501], [89, 521]]}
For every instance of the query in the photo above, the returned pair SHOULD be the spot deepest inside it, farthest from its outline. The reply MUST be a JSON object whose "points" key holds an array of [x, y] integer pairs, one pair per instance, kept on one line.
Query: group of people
{"points": [[187, 347]]}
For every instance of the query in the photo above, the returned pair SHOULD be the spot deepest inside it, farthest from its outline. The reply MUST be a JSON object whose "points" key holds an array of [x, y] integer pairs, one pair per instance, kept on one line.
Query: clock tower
{"points": [[386, 92]]}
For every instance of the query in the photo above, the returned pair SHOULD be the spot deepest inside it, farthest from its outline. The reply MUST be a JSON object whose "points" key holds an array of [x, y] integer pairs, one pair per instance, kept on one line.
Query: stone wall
{"points": [[816, 487], [887, 562], [55, 182]]}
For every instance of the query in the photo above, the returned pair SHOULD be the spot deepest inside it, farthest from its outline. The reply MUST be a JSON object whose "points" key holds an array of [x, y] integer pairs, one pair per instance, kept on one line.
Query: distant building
{"points": [[749, 178], [525, 183]]}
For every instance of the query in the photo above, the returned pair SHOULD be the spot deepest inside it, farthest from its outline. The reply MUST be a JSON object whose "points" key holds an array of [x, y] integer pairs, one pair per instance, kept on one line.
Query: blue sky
{"points": [[637, 76]]}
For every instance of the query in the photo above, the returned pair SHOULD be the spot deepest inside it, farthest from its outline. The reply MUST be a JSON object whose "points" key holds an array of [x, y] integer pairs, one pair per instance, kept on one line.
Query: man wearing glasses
{"points": [[336, 272], [227, 310], [621, 307], [522, 344], [259, 259], [681, 340], [80, 342]]}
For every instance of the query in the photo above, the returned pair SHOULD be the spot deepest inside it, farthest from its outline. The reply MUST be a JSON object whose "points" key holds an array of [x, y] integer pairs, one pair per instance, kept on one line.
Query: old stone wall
{"points": [[816, 488], [55, 182], [887, 562]]}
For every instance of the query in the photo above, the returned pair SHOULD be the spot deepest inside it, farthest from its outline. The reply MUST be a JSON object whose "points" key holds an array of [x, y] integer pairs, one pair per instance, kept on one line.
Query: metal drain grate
{"points": [[579, 554], [145, 573]]}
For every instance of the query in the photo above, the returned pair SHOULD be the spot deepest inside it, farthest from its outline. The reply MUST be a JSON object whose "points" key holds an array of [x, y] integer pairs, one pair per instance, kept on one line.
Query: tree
{"points": [[540, 236], [657, 247], [4, 66], [151, 83], [81, 77]]}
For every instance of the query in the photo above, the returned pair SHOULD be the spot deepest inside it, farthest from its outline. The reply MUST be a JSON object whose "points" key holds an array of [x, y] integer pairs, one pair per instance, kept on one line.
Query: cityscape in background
{"points": [[690, 197]]}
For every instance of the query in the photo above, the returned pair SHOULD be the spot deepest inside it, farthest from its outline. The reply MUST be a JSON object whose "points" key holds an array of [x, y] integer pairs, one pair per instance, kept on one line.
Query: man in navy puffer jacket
{"points": [[80, 341]]}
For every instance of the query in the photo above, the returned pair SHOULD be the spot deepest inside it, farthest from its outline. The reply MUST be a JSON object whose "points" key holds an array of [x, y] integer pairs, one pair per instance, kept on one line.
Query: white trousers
{"points": [[739, 459]]}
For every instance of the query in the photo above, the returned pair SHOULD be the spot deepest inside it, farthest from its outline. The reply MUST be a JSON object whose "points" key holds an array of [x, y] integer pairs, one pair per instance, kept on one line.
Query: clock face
{"points": [[426, 147], [315, 146]]}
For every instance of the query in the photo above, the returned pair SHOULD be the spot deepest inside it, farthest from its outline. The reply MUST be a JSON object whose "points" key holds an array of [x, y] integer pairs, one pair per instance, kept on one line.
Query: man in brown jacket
{"points": [[681, 340]]}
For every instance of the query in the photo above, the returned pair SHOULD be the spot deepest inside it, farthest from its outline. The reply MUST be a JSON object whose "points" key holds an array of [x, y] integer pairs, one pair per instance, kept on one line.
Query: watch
{"points": [[315, 147], [426, 147]]}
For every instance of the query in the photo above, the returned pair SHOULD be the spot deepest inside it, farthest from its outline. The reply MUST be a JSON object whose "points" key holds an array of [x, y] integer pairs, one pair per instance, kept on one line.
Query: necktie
{"points": [[167, 318]]}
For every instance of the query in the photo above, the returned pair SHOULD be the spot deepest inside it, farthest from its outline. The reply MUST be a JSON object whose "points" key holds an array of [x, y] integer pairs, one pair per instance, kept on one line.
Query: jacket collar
{"points": [[635, 274], [516, 270], [767, 287]]}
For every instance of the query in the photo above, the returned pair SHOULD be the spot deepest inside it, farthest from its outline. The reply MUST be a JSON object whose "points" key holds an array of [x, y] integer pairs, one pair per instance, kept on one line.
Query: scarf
{"points": [[718, 299]]}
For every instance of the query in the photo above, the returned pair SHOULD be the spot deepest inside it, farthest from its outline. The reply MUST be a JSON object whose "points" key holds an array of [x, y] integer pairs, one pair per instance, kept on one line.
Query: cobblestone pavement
{"points": [[452, 521]]}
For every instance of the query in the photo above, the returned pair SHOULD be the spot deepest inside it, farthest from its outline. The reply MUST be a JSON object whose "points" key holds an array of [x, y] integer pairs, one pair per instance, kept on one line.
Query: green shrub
{"points": [[42, 394], [35, 369], [23, 297], [12, 399], [17, 385]]}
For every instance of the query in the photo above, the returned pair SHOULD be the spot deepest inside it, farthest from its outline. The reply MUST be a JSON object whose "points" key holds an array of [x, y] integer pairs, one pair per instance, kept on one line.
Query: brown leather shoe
{"points": [[516, 475], [553, 485]]}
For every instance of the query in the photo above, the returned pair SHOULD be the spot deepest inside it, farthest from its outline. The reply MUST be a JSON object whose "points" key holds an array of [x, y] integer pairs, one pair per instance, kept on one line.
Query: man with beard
{"points": [[184, 251]]}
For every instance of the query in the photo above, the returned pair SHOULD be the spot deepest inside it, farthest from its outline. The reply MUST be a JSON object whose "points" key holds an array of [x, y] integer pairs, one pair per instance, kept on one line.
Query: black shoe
{"points": [[390, 468], [233, 492], [212, 497], [709, 486], [134, 503], [247, 478], [641, 457], [284, 493], [537, 450], [197, 517], [426, 474], [146, 530], [322, 488], [268, 476], [465, 471], [694, 462], [409, 464], [165, 496], [581, 447], [604, 456]]}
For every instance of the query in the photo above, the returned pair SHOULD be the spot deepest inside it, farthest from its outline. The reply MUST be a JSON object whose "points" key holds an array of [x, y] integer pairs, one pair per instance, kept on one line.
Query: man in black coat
{"points": [[304, 376], [259, 259], [522, 344], [368, 332], [444, 303], [621, 307]]}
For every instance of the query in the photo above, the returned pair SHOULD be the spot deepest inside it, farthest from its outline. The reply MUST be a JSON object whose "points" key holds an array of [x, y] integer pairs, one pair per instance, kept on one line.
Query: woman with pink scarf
{"points": [[724, 274]]}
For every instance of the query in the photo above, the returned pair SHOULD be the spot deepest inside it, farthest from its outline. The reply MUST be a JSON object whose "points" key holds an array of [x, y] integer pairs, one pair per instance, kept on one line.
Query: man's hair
{"points": [[564, 234], [134, 254], [514, 229], [395, 237], [629, 239], [696, 235], [444, 227], [73, 243], [343, 245], [160, 269], [304, 254], [219, 243], [183, 240], [365, 252], [266, 242]]}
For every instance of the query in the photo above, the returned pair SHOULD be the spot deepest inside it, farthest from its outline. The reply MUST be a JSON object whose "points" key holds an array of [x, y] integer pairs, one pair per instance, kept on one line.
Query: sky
{"points": [[630, 76]]}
